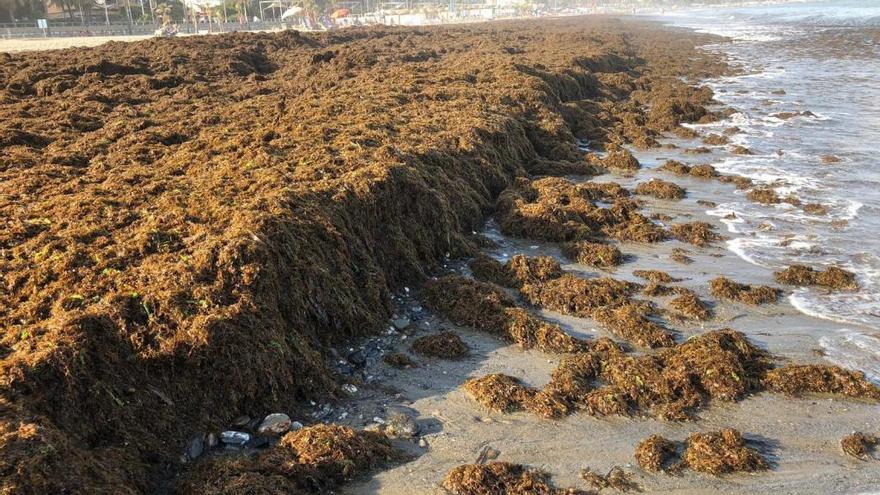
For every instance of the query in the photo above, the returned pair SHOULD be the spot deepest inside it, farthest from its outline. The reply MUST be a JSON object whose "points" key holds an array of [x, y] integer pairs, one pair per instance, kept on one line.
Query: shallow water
{"points": [[825, 56]]}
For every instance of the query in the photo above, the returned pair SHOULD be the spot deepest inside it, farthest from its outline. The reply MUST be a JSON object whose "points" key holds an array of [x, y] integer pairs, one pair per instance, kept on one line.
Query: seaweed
{"points": [[660, 189], [721, 452], [621, 159], [725, 288], [657, 276], [680, 255], [499, 392], [798, 379], [859, 445], [592, 253], [690, 306], [655, 454], [398, 360], [716, 140], [817, 209], [445, 345], [697, 233], [832, 277], [314, 458], [486, 307], [740, 150], [497, 478], [615, 478], [765, 195], [630, 322]]}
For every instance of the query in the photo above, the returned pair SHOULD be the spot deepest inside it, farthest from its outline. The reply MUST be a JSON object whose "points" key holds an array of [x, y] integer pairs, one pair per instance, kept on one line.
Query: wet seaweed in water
{"points": [[832, 277], [660, 189], [696, 233], [725, 288]]}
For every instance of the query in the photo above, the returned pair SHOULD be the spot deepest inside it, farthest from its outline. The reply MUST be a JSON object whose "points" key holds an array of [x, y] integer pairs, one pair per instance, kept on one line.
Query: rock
{"points": [[351, 389], [275, 424], [241, 421], [257, 442], [423, 443], [196, 446], [237, 438], [296, 425], [401, 425], [401, 323], [357, 358]]}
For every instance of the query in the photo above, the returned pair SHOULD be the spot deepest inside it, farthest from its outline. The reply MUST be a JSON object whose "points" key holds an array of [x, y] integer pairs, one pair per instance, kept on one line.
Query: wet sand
{"points": [[799, 437]]}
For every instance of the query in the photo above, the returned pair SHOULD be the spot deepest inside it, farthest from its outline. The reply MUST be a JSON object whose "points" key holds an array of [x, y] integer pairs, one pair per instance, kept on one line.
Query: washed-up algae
{"points": [[660, 189], [398, 360], [725, 288], [499, 392], [688, 305], [657, 276], [445, 345], [799, 379], [655, 454], [486, 307], [859, 445], [312, 459], [722, 452], [832, 277], [704, 171], [555, 209], [697, 233], [592, 253], [180, 208], [616, 478], [501, 478]]}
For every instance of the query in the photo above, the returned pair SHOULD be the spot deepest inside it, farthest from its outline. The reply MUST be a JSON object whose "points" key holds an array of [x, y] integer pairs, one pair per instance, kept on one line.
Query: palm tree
{"points": [[163, 10]]}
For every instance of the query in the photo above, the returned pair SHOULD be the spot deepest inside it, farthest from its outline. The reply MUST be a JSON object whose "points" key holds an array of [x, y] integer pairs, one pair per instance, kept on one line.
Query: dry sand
{"points": [[799, 437], [33, 44]]}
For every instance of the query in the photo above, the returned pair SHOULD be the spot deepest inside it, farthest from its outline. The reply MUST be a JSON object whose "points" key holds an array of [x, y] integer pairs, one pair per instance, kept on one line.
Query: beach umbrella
{"points": [[340, 13]]}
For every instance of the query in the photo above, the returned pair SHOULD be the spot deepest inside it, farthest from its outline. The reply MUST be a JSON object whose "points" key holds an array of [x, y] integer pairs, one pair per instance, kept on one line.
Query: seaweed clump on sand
{"points": [[592, 253], [499, 392], [315, 458], [655, 454], [660, 189], [616, 478], [680, 255], [517, 271], [398, 360], [621, 159], [859, 445], [555, 209], [798, 379], [703, 171], [832, 278], [688, 305], [725, 288], [721, 452], [497, 478], [486, 307], [656, 276], [697, 233], [444, 345]]}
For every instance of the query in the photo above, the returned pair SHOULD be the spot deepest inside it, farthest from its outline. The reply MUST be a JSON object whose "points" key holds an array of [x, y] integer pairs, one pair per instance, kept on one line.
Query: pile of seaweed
{"points": [[832, 277], [555, 209], [660, 189], [724, 288], [599, 376], [859, 445], [678, 168], [714, 452], [309, 460], [445, 344], [496, 478], [696, 233], [542, 282], [596, 254]]}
